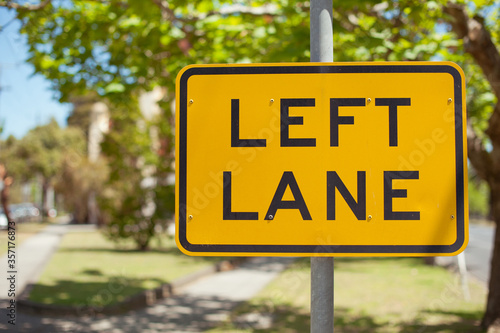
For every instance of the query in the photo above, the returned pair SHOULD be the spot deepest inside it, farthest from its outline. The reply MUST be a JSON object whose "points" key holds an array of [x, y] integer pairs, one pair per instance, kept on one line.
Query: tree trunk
{"points": [[491, 319], [45, 189], [478, 43], [490, 207], [144, 247]]}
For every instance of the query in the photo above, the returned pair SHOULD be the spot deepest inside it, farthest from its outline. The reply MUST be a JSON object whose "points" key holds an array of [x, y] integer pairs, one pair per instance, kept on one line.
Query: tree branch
{"points": [[28, 7], [477, 42]]}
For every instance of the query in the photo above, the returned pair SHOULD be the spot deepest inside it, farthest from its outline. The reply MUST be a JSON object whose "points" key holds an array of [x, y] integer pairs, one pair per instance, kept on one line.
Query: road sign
{"points": [[321, 159]]}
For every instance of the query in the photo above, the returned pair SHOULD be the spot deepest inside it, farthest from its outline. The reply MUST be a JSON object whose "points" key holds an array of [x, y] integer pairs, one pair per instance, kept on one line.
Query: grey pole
{"points": [[321, 268], [321, 31], [322, 295]]}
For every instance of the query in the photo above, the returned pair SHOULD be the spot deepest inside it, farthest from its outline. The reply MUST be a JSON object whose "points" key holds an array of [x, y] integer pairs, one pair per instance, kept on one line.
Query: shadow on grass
{"points": [[266, 318], [94, 272], [452, 322], [179, 313], [93, 294]]}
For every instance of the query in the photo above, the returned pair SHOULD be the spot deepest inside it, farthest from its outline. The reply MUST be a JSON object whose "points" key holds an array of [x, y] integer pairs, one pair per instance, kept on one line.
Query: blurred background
{"points": [[87, 94]]}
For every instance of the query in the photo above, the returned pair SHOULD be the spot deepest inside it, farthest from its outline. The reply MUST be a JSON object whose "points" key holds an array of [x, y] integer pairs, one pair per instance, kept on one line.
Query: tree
{"points": [[42, 152], [484, 148], [8, 155], [123, 47], [128, 203], [76, 179]]}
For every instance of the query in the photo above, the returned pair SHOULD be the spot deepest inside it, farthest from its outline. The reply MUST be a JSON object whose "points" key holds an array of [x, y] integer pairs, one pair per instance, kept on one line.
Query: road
{"points": [[478, 252]]}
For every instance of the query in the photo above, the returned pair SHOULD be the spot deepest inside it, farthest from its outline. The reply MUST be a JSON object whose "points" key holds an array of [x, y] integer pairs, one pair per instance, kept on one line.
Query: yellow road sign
{"points": [[321, 159]]}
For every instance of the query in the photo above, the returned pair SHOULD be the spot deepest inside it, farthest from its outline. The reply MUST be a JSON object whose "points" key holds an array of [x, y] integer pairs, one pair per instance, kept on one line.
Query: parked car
{"points": [[24, 212]]}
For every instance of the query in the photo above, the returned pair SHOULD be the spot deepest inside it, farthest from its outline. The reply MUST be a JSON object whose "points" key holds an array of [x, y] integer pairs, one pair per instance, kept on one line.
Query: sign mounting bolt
{"points": [[191, 101], [272, 100], [271, 217], [369, 100], [369, 217], [453, 217], [450, 100], [190, 217]]}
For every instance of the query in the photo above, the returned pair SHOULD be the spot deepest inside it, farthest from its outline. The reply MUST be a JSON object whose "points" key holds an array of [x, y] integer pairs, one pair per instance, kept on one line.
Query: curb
{"points": [[134, 302]]}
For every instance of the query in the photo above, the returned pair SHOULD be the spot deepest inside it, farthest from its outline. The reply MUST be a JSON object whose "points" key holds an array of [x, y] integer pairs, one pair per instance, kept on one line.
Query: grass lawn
{"points": [[386, 295], [90, 270], [23, 231]]}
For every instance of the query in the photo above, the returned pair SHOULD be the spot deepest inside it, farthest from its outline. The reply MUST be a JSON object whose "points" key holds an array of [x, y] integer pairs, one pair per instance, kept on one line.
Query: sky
{"points": [[25, 100]]}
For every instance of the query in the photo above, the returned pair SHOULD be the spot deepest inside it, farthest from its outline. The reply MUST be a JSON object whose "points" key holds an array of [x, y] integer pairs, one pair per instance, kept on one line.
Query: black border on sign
{"points": [[321, 249]]}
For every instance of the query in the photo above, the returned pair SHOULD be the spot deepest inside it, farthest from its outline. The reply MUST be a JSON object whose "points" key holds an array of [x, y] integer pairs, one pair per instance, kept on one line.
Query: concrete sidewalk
{"points": [[32, 255], [196, 308]]}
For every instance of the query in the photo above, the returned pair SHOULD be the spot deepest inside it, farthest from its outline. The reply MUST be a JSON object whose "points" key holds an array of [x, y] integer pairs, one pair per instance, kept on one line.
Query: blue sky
{"points": [[25, 100]]}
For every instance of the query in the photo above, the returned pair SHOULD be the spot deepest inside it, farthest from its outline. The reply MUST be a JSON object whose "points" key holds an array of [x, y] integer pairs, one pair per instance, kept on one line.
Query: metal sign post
{"points": [[321, 36]]}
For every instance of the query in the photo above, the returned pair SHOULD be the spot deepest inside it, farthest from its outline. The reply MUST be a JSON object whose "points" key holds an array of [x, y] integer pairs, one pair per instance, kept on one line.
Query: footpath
{"points": [[33, 254], [196, 307]]}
